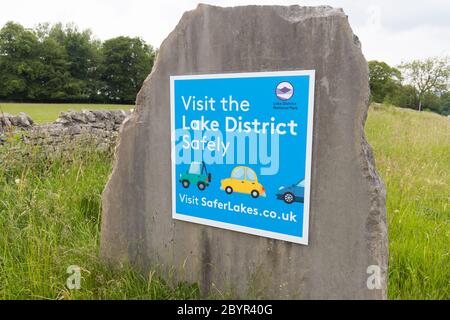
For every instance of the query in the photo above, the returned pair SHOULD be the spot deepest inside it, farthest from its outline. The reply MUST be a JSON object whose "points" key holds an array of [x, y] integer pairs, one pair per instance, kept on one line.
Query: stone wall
{"points": [[9, 122], [98, 127]]}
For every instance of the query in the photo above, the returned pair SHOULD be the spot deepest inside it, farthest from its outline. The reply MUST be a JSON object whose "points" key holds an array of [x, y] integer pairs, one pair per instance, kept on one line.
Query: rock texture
{"points": [[98, 127], [9, 122], [348, 225]]}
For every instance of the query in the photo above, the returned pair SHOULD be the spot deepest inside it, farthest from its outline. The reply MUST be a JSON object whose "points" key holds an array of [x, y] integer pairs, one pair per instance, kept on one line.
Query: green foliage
{"points": [[50, 217], [403, 96], [445, 103], [384, 80], [63, 64], [429, 77], [127, 62], [83, 60], [419, 84], [412, 154], [19, 68]]}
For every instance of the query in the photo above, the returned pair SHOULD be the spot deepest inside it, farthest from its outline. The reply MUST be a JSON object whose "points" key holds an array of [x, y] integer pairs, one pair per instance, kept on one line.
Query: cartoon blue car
{"points": [[293, 193]]}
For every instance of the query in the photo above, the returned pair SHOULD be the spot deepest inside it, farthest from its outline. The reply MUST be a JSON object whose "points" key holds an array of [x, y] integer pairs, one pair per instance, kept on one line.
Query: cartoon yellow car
{"points": [[243, 180]]}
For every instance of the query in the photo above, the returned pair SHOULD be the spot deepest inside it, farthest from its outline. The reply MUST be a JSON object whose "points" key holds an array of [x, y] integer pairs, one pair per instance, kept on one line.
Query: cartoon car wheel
{"points": [[201, 186], [289, 198], [229, 190], [255, 194], [186, 184], [292, 193], [198, 175]]}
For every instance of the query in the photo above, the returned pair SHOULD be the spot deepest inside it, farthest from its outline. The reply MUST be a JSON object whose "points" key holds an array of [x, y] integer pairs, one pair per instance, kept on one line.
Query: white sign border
{"points": [[304, 240]]}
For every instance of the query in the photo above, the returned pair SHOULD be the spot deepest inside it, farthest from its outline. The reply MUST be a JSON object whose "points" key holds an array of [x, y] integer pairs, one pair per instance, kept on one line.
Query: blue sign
{"points": [[241, 151]]}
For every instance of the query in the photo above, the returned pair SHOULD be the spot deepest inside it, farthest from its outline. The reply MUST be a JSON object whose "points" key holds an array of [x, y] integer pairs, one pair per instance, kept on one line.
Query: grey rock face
{"points": [[21, 121], [97, 127], [348, 224]]}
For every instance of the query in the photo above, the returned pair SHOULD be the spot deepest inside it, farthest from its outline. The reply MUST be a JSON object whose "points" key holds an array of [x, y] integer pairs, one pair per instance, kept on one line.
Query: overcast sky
{"points": [[390, 30]]}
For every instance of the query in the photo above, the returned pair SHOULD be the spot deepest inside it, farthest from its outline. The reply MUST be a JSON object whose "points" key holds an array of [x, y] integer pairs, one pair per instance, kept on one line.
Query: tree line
{"points": [[60, 63], [419, 84]]}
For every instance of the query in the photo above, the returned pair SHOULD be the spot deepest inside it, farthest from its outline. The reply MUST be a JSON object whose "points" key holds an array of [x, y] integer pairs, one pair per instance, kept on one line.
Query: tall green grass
{"points": [[50, 219], [412, 153], [50, 216]]}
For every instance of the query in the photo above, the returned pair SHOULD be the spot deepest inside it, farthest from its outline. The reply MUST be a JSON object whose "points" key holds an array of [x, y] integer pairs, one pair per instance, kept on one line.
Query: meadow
{"points": [[412, 152], [50, 212], [46, 113]]}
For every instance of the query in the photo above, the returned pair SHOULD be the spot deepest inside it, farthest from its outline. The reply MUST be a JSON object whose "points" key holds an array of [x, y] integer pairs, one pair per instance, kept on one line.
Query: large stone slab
{"points": [[347, 222]]}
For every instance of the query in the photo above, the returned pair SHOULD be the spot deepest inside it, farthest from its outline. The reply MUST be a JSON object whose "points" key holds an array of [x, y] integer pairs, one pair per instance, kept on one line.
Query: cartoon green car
{"points": [[196, 175]]}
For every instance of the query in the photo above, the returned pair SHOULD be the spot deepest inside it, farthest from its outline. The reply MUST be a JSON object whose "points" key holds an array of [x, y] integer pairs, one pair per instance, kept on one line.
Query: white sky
{"points": [[390, 30]]}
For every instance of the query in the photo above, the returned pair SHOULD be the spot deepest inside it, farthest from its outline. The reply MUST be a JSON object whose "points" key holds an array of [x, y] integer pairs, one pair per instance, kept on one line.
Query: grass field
{"points": [[50, 217], [412, 151], [44, 113]]}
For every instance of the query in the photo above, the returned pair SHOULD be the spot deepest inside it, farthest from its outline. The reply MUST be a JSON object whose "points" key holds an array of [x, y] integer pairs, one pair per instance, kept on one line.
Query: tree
{"points": [[427, 76], [126, 63], [405, 96], [384, 80], [445, 103], [18, 64], [60, 63], [52, 73], [83, 58], [48, 63]]}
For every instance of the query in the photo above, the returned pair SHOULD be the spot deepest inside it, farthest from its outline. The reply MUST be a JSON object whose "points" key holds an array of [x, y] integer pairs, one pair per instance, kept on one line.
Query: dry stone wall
{"points": [[98, 127], [10, 122]]}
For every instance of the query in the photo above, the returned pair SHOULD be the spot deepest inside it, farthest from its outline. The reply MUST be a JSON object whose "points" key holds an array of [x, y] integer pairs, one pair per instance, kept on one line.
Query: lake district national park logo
{"points": [[285, 91]]}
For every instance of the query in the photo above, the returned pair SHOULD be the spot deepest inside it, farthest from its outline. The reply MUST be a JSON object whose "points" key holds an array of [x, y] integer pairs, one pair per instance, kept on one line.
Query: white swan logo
{"points": [[285, 91]]}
